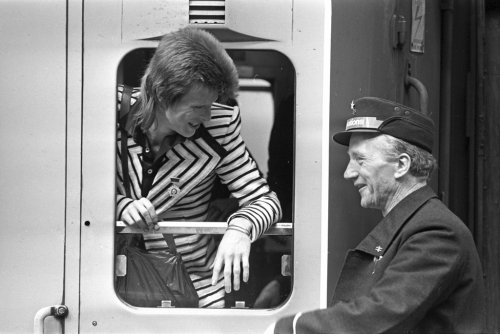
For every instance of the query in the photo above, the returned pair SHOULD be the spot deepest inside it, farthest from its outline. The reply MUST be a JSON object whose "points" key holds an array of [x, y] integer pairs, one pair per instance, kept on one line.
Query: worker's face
{"points": [[371, 170], [192, 109]]}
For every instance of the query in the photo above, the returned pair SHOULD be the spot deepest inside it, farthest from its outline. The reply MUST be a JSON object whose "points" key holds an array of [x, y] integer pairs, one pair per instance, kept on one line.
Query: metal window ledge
{"points": [[182, 227]]}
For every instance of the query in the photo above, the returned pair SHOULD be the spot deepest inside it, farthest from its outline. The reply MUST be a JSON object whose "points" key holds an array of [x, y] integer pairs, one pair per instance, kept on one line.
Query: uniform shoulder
{"points": [[435, 214]]}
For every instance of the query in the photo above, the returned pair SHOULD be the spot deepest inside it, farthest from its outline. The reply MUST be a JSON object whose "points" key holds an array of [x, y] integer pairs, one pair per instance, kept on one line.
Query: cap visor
{"points": [[344, 137]]}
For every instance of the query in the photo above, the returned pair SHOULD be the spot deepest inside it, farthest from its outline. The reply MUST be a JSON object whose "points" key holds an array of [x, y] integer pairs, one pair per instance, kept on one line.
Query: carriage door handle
{"points": [[410, 81], [58, 311]]}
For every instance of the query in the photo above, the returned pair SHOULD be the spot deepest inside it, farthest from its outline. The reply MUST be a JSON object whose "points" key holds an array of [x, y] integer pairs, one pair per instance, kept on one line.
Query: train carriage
{"points": [[300, 63]]}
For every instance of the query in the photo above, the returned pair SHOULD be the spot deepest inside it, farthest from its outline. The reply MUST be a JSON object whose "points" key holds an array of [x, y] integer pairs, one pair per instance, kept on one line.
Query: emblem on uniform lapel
{"points": [[174, 189], [376, 259]]}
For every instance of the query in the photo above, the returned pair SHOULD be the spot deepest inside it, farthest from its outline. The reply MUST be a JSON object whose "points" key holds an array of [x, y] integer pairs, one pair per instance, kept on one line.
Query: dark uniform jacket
{"points": [[418, 271]]}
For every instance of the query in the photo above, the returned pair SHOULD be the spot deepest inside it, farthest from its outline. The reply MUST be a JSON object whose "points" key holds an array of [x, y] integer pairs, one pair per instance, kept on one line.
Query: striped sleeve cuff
{"points": [[258, 215], [121, 203]]}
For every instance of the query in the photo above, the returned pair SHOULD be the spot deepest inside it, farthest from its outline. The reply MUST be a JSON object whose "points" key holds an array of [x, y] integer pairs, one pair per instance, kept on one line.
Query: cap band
{"points": [[362, 123]]}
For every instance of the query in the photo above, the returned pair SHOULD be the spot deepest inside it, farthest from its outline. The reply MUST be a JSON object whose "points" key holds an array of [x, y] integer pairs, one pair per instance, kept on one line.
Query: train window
{"points": [[267, 105], [256, 103]]}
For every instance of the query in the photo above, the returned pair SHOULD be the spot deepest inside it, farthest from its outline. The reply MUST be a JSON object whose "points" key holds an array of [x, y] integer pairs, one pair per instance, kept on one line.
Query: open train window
{"points": [[267, 103]]}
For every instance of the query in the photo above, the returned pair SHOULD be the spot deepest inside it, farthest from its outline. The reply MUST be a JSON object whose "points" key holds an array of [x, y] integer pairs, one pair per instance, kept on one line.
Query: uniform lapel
{"points": [[380, 238], [357, 273]]}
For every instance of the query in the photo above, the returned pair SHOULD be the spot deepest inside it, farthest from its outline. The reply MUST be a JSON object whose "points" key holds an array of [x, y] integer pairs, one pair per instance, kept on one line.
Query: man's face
{"points": [[372, 172], [192, 109]]}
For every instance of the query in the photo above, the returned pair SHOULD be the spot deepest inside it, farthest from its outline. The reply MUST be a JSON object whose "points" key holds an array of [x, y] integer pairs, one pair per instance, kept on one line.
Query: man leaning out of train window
{"points": [[418, 270], [180, 138]]}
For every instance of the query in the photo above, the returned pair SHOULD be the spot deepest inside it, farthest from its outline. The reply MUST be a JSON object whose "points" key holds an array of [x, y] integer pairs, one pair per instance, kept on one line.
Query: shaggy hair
{"points": [[422, 164], [184, 58]]}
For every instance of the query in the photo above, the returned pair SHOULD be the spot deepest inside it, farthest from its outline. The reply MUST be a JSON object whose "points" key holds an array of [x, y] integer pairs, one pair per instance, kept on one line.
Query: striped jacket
{"points": [[217, 149]]}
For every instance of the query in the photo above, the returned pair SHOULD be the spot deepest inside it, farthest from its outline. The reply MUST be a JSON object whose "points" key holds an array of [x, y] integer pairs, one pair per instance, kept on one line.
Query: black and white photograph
{"points": [[253, 167]]}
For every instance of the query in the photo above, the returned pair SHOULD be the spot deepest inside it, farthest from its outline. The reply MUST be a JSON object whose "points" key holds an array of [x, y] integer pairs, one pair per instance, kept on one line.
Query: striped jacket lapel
{"points": [[188, 163]]}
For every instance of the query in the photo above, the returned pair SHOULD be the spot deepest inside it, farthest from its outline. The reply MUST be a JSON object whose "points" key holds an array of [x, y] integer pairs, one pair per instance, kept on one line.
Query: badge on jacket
{"points": [[174, 189], [375, 261]]}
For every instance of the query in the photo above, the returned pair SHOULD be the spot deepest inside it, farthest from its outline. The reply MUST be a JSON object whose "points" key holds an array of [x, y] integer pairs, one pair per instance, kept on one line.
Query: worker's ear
{"points": [[404, 163]]}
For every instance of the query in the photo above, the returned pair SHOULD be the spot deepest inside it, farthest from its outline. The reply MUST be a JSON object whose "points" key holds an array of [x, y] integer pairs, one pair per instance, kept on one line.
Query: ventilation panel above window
{"points": [[207, 11]]}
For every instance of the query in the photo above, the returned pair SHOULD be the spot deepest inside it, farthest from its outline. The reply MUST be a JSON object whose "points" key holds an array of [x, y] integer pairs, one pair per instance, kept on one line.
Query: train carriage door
{"points": [[32, 165], [280, 46]]}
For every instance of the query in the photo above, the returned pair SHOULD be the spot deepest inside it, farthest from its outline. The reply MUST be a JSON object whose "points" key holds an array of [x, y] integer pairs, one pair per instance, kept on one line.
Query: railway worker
{"points": [[180, 138], [418, 270]]}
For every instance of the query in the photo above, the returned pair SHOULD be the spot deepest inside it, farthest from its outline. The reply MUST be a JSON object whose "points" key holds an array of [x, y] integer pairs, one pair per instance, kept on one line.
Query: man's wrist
{"points": [[240, 224]]}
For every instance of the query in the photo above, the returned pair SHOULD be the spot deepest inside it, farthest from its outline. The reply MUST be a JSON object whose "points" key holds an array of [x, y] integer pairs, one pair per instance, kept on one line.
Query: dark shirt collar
{"points": [[384, 232], [142, 139]]}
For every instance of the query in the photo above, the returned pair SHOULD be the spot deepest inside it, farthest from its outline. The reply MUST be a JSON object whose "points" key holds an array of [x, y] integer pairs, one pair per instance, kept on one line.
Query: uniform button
{"points": [[147, 150], [150, 171]]}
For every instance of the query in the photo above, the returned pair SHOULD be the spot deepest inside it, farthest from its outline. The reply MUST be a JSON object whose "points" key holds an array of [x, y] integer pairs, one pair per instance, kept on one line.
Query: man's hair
{"points": [[422, 164], [183, 58]]}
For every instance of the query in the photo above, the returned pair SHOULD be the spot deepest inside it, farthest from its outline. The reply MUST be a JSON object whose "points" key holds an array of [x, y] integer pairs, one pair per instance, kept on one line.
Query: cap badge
{"points": [[353, 107], [362, 123]]}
